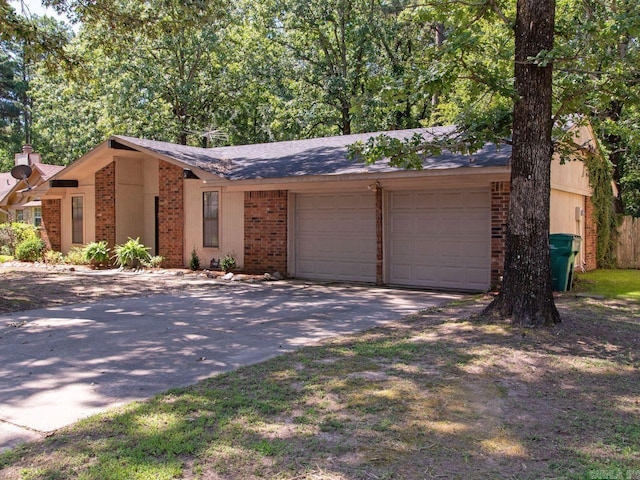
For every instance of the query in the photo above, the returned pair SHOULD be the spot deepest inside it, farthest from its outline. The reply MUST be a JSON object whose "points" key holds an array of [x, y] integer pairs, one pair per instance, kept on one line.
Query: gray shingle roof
{"points": [[316, 156]]}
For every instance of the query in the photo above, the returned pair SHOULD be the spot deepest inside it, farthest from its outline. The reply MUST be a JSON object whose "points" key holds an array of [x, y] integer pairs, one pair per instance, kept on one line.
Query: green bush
{"points": [[75, 256], [54, 258], [227, 263], [96, 253], [13, 234], [131, 254], [30, 250], [194, 261]]}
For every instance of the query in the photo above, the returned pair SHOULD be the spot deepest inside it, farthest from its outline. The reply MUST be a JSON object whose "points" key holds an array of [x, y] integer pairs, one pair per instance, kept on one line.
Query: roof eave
{"points": [[496, 170]]}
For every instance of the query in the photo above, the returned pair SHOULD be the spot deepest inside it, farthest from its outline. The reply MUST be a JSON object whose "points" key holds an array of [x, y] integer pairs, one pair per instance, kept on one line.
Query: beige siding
{"points": [[86, 190], [570, 176], [150, 192], [130, 217], [567, 216], [231, 226]]}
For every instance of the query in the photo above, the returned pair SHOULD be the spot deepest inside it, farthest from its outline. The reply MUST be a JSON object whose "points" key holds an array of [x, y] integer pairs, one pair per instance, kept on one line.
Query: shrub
{"points": [[153, 262], [76, 256], [30, 250], [13, 234], [227, 263], [131, 254], [194, 261], [54, 258], [96, 253]]}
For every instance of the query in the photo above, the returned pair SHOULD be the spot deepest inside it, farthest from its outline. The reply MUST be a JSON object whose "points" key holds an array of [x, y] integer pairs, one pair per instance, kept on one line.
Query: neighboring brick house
{"points": [[304, 209], [18, 200]]}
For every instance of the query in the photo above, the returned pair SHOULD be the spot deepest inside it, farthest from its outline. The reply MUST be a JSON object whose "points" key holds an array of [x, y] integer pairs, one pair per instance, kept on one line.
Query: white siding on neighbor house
{"points": [[439, 239], [335, 236]]}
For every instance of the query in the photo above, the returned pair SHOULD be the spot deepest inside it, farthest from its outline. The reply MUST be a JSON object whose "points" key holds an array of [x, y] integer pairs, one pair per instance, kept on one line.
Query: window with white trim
{"points": [[37, 216]]}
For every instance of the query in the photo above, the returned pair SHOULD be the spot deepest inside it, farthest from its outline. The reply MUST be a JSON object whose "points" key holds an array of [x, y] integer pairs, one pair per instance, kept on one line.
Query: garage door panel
{"points": [[426, 274], [335, 236], [439, 239]]}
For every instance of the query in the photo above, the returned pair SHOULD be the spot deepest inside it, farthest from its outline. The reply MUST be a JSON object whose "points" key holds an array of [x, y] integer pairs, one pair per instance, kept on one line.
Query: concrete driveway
{"points": [[59, 365]]}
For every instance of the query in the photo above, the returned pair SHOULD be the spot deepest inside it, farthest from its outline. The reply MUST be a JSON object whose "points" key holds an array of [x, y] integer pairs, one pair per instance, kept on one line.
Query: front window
{"points": [[37, 216], [19, 215], [77, 230], [210, 219]]}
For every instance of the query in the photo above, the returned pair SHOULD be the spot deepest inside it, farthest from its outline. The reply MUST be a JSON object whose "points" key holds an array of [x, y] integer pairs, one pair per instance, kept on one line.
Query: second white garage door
{"points": [[439, 239], [335, 236]]}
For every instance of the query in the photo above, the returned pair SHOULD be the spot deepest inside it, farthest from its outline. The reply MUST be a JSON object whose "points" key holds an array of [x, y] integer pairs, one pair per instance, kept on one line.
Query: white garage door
{"points": [[440, 239], [335, 236]]}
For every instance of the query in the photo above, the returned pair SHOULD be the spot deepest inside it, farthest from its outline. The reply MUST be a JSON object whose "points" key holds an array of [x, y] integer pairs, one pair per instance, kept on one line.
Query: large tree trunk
{"points": [[526, 295]]}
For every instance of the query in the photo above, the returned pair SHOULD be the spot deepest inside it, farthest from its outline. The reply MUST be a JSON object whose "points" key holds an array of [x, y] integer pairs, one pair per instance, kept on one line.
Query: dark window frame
{"points": [[77, 220], [211, 219]]}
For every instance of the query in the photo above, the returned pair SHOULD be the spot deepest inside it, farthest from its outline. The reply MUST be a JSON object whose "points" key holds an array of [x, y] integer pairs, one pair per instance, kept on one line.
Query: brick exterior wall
{"points": [[590, 241], [171, 215], [51, 231], [265, 231], [499, 215], [105, 182]]}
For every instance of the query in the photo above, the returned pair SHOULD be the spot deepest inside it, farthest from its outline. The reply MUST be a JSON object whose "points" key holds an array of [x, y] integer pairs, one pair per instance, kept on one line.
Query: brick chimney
{"points": [[27, 157]]}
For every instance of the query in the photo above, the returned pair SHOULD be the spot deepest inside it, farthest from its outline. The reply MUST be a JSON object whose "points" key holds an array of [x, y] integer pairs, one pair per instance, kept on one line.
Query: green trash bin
{"points": [[564, 248]]}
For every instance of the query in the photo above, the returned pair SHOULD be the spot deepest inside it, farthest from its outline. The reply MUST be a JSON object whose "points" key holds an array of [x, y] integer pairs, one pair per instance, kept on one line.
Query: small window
{"points": [[19, 215], [77, 227], [37, 216], [210, 219]]}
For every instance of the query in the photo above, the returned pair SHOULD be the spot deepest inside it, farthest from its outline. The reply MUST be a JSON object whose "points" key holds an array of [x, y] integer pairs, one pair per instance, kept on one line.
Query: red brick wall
{"points": [[265, 231], [591, 236], [499, 215], [52, 224], [171, 215], [105, 181]]}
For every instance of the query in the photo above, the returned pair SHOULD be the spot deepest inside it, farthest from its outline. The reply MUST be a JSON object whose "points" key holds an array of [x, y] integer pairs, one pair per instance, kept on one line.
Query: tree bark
{"points": [[526, 295]]}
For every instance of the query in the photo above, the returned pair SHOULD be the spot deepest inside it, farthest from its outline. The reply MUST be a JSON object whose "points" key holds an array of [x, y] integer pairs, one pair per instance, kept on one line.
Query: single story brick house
{"points": [[304, 209]]}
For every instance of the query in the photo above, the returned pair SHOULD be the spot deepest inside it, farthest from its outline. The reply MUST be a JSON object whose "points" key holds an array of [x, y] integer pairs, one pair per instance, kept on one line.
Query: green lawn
{"points": [[618, 284], [5, 258]]}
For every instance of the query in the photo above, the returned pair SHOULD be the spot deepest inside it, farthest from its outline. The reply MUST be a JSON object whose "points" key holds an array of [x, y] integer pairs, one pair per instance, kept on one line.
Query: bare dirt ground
{"points": [[440, 394], [26, 286]]}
